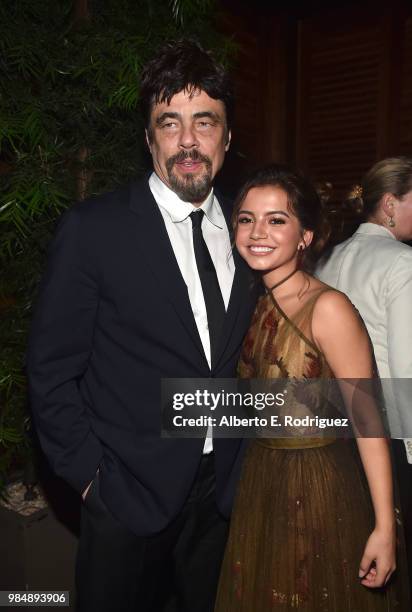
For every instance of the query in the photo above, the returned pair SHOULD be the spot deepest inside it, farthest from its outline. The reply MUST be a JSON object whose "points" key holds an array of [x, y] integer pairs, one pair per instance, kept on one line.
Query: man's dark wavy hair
{"points": [[184, 65]]}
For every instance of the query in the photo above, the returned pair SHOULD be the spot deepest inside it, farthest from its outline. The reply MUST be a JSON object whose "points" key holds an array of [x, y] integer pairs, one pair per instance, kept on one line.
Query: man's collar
{"points": [[177, 209]]}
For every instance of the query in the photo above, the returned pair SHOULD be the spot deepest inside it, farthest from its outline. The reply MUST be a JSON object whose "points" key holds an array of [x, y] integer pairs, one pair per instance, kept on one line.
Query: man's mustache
{"points": [[184, 155]]}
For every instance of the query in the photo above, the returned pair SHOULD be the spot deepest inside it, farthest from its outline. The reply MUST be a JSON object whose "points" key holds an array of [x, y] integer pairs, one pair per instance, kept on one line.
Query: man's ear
{"points": [[148, 139], [228, 139]]}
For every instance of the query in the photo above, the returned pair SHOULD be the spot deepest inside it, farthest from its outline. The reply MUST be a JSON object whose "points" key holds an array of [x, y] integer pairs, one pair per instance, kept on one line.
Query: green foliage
{"points": [[69, 127]]}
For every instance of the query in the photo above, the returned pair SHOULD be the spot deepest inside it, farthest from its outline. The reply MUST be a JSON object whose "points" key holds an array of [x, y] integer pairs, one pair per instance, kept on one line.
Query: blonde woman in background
{"points": [[374, 269]]}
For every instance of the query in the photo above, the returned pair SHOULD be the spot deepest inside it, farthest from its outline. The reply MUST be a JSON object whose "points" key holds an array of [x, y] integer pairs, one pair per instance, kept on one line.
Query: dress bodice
{"points": [[281, 347], [277, 346]]}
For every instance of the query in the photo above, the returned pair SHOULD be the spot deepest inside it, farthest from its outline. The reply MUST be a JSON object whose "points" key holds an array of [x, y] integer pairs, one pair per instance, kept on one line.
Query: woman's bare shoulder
{"points": [[334, 309], [328, 297], [341, 335]]}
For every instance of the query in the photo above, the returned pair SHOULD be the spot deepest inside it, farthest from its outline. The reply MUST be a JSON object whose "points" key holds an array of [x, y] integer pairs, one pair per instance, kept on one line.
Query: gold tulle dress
{"points": [[303, 512]]}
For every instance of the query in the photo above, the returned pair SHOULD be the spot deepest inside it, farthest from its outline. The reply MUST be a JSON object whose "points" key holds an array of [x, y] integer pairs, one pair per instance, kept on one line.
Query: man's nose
{"points": [[188, 138]]}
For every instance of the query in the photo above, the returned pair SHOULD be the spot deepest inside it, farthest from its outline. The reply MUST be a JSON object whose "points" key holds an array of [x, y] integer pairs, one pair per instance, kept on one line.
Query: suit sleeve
{"points": [[399, 330], [60, 345]]}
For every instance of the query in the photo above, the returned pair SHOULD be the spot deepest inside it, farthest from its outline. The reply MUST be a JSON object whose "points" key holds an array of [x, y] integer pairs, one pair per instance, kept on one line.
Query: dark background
{"points": [[328, 88]]}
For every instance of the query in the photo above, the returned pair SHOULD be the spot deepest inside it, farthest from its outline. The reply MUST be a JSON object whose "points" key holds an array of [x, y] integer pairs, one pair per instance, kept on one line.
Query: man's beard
{"points": [[190, 188]]}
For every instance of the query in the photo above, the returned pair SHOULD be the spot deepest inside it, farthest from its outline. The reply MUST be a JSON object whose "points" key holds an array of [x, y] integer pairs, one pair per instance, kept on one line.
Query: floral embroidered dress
{"points": [[303, 511]]}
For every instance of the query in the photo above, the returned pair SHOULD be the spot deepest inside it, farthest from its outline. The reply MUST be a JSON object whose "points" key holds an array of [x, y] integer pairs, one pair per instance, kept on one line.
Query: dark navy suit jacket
{"points": [[112, 319]]}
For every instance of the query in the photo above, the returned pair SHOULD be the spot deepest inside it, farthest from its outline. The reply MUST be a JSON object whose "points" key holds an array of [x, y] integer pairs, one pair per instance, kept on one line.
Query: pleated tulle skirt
{"points": [[299, 526]]}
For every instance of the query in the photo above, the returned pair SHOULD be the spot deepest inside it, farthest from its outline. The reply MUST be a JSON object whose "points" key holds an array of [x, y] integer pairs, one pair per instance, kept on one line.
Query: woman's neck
{"points": [[380, 221], [285, 281]]}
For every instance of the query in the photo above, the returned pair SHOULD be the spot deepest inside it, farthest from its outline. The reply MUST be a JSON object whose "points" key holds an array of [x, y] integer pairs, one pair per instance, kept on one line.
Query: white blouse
{"points": [[375, 271]]}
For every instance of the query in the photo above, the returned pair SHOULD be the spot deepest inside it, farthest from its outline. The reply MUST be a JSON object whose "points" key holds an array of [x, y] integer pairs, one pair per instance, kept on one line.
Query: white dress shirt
{"points": [[375, 271], [175, 213]]}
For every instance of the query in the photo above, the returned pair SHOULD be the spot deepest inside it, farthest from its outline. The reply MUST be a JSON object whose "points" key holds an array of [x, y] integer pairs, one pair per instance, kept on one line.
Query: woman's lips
{"points": [[260, 249]]}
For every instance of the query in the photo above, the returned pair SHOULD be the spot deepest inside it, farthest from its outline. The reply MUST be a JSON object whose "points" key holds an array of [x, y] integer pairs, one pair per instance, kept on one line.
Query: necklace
{"points": [[269, 289]]}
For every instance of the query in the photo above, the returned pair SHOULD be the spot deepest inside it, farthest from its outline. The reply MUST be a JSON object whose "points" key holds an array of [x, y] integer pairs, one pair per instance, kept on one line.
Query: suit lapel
{"points": [[155, 246], [239, 297], [240, 288]]}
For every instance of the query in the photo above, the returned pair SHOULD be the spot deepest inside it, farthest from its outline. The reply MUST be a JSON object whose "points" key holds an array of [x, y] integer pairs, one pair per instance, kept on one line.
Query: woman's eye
{"points": [[244, 220], [277, 221]]}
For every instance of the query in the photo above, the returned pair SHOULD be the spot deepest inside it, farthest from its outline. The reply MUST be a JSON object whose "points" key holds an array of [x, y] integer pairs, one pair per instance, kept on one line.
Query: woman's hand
{"points": [[378, 562]]}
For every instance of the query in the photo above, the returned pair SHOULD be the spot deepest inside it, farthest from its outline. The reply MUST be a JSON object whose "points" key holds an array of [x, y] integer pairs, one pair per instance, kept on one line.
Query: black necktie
{"points": [[215, 306]]}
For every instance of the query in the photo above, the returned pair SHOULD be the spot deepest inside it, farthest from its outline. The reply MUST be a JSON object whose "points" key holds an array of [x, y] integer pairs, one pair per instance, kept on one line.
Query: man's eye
{"points": [[204, 124], [170, 124]]}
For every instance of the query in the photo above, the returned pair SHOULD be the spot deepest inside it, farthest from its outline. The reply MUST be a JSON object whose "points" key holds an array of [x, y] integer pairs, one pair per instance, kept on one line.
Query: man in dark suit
{"points": [[142, 285]]}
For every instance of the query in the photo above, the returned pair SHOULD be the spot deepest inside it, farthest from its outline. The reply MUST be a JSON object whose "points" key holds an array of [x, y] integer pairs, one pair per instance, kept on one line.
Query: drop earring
{"points": [[299, 257], [391, 222]]}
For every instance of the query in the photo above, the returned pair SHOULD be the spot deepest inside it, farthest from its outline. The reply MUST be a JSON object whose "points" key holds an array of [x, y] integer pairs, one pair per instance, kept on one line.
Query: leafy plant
{"points": [[69, 127]]}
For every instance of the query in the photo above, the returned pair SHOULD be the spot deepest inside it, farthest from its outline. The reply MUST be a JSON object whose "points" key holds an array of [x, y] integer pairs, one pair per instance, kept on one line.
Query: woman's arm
{"points": [[340, 334]]}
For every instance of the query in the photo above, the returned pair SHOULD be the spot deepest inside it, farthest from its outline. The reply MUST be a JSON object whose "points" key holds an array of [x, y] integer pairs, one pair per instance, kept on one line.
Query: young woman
{"points": [[313, 527]]}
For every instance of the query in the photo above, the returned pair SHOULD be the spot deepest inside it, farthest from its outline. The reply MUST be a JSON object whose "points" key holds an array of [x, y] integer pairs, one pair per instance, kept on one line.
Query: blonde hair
{"points": [[391, 175]]}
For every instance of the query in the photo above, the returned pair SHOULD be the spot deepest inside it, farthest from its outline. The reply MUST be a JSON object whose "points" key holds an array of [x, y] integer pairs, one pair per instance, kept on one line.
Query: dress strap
{"points": [[301, 315], [310, 304]]}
